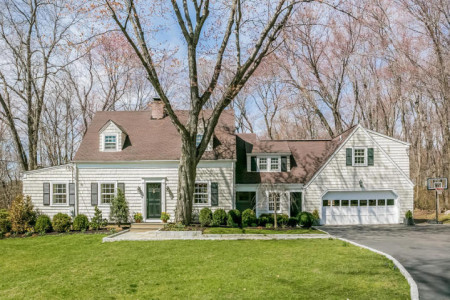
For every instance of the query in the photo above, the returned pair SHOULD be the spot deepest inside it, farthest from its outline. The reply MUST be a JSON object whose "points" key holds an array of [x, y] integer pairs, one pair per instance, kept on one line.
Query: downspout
{"points": [[233, 196]]}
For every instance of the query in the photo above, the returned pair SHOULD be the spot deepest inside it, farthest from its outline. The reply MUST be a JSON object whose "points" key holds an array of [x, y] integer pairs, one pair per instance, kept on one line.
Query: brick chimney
{"points": [[157, 109]]}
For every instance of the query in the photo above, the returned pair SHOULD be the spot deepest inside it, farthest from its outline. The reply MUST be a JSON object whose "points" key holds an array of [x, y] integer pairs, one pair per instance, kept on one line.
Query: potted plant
{"points": [[165, 217], [409, 218], [138, 217]]}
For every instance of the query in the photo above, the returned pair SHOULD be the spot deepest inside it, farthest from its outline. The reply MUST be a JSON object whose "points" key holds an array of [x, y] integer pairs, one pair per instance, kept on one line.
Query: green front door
{"points": [[153, 200]]}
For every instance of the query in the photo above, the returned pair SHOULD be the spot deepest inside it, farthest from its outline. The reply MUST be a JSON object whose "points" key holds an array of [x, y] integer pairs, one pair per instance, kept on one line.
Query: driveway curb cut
{"points": [[412, 284]]}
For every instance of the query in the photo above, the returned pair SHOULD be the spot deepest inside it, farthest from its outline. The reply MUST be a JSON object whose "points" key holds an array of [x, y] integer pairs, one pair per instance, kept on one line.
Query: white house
{"points": [[359, 177]]}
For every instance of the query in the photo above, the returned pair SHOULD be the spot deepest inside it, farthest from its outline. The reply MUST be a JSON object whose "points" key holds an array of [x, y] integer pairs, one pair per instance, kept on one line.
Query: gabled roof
{"points": [[117, 125], [307, 157], [150, 139]]}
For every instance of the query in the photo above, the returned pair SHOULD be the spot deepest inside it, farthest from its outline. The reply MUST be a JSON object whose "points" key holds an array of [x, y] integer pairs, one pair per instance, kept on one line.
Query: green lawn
{"points": [[80, 267], [222, 230]]}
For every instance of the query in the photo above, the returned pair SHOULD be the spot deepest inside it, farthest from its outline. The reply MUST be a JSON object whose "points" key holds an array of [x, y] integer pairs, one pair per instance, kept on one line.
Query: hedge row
{"points": [[234, 218]]}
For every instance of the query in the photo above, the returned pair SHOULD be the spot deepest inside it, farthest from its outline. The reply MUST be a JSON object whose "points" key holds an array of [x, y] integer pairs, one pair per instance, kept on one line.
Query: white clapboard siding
{"points": [[262, 203], [134, 179], [337, 176], [33, 186], [399, 152]]}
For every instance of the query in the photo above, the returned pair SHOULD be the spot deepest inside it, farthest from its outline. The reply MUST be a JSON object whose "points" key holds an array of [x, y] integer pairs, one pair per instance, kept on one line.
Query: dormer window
{"points": [[198, 140], [110, 143], [268, 163]]}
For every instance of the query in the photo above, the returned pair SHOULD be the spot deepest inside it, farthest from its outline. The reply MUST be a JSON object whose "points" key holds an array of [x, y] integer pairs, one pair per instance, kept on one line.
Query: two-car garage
{"points": [[359, 207]]}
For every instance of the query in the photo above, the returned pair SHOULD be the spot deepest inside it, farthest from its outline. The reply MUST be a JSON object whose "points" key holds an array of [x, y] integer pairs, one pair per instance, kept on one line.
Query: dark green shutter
{"points": [[94, 193], [284, 164], [253, 163], [72, 194], [121, 186], [370, 156], [348, 152], [46, 193], [214, 194]]}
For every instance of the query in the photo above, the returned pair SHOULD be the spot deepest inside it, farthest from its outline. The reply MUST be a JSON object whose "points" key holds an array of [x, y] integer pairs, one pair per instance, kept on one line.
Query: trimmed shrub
{"points": [[292, 222], [21, 214], [81, 222], [282, 219], [119, 209], [219, 217], [408, 215], [61, 222], [234, 218], [205, 216], [305, 219], [97, 221], [316, 217], [264, 219], [5, 223], [248, 217], [43, 224]]}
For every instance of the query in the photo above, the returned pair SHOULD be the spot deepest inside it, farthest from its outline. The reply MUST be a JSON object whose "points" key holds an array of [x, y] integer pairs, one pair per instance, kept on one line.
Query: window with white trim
{"points": [[359, 156], [107, 192], [274, 201], [110, 142], [269, 164], [201, 193], [59, 193], [198, 140]]}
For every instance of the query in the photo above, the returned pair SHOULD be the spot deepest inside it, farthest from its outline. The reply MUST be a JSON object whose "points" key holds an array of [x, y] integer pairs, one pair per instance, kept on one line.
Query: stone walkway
{"points": [[197, 235]]}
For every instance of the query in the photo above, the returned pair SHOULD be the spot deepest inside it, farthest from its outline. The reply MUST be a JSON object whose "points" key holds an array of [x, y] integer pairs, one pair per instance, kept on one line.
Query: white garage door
{"points": [[345, 208]]}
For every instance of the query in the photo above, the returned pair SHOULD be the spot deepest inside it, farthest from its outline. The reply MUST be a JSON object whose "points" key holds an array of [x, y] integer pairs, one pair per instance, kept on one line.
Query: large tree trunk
{"points": [[187, 171]]}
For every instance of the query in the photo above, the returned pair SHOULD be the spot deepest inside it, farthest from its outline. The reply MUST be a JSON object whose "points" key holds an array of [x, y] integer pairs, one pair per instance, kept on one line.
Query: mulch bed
{"points": [[100, 231]]}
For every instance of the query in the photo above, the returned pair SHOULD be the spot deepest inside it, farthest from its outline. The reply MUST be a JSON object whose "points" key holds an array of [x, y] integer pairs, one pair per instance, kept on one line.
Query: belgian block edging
{"points": [[197, 235]]}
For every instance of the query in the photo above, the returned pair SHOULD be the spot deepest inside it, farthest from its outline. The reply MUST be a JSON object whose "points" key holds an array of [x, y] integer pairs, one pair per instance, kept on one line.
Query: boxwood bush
{"points": [[234, 218], [305, 219], [205, 216], [219, 217], [61, 222], [5, 223], [43, 224], [264, 219], [292, 222], [248, 217], [81, 222], [282, 219]]}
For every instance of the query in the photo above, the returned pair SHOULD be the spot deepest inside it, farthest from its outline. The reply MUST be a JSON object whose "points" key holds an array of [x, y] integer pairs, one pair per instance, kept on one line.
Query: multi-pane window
{"points": [[274, 201], [107, 192], [359, 157], [274, 163], [201, 195], [263, 163], [198, 139], [110, 142], [59, 193], [269, 164]]}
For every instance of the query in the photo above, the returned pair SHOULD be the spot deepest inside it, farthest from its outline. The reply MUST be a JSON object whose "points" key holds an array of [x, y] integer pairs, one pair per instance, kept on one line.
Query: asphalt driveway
{"points": [[424, 250]]}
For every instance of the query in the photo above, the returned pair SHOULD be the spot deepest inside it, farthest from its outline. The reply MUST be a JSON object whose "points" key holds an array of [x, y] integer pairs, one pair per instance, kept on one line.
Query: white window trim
{"points": [[209, 146], [100, 204], [209, 194], [104, 135], [365, 157], [269, 163], [66, 183], [268, 201]]}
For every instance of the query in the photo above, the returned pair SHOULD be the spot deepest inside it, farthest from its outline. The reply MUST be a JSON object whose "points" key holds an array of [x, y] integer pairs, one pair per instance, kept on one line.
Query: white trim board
{"points": [[388, 137]]}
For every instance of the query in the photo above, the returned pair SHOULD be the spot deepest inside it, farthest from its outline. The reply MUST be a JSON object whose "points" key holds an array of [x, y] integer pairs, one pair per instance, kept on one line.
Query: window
{"points": [[110, 142], [269, 164], [381, 202], [344, 202], [59, 193], [274, 163], [107, 192], [198, 139], [353, 202], [263, 164], [372, 202], [201, 194], [359, 157], [362, 202], [326, 203], [336, 202], [274, 201], [390, 202]]}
